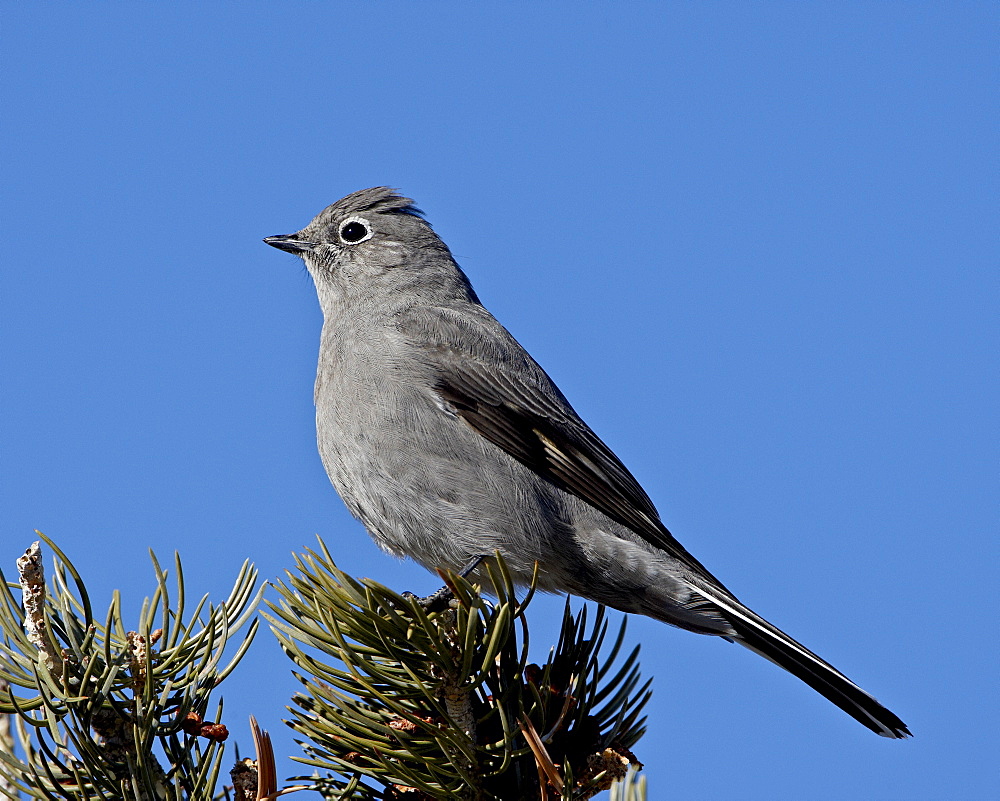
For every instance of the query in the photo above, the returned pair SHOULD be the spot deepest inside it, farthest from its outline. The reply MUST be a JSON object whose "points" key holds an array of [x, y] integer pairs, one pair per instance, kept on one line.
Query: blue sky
{"points": [[755, 244]]}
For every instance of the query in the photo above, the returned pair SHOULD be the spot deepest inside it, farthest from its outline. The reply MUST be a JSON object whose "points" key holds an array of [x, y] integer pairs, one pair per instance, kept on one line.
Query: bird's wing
{"points": [[503, 395], [496, 388]]}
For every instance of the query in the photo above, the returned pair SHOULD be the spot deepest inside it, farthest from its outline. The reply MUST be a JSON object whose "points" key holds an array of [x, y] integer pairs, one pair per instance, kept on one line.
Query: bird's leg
{"points": [[439, 599]]}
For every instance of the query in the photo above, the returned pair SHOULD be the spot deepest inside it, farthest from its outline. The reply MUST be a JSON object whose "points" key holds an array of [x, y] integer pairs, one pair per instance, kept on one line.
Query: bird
{"points": [[449, 442]]}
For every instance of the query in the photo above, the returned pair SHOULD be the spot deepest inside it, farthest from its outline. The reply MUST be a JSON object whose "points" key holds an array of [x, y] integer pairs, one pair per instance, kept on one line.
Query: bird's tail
{"points": [[755, 633]]}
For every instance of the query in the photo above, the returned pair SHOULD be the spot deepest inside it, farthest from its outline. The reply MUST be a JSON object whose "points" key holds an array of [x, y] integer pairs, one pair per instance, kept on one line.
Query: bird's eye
{"points": [[354, 231]]}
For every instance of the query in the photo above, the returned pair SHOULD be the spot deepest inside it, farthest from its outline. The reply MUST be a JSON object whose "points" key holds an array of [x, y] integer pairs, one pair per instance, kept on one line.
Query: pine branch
{"points": [[110, 713], [397, 702], [401, 703]]}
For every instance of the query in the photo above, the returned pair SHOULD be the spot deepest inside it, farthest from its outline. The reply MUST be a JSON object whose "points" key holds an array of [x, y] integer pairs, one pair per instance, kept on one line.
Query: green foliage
{"points": [[399, 702], [101, 705]]}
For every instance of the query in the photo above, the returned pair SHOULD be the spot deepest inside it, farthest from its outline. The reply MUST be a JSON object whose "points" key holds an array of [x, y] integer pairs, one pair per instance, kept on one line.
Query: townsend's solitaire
{"points": [[448, 441]]}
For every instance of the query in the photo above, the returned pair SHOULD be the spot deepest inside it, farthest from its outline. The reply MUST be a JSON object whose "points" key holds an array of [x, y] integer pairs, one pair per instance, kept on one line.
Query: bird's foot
{"points": [[439, 600]]}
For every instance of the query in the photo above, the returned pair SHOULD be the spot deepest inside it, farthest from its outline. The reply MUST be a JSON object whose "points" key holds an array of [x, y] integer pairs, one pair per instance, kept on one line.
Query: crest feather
{"points": [[381, 199]]}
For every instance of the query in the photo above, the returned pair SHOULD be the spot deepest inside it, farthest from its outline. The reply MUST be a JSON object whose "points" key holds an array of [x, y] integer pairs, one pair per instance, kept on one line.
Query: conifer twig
{"points": [[403, 702], [106, 712], [32, 575]]}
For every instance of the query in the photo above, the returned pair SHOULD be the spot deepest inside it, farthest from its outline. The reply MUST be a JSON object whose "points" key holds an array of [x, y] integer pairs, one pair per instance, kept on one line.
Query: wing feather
{"points": [[516, 406]]}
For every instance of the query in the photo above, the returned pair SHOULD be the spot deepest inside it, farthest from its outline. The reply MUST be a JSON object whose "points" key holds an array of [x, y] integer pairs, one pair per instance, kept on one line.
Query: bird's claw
{"points": [[437, 601]]}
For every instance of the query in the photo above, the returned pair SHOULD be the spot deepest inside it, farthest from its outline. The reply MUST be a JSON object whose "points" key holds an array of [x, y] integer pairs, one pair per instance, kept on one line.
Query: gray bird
{"points": [[448, 441]]}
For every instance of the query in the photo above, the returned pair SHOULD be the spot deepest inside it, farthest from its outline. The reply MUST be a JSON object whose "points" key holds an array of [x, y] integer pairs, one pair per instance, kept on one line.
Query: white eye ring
{"points": [[349, 232]]}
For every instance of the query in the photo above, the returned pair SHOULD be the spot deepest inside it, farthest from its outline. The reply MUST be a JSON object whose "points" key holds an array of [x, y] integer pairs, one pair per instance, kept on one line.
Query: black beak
{"points": [[289, 243]]}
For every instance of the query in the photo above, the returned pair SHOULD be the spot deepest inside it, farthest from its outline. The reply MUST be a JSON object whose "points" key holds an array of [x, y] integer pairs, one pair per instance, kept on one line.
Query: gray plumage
{"points": [[448, 441]]}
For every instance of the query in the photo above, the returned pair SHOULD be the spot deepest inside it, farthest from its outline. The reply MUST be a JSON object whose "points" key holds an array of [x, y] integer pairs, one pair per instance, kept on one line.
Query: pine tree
{"points": [[111, 713], [400, 699]]}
